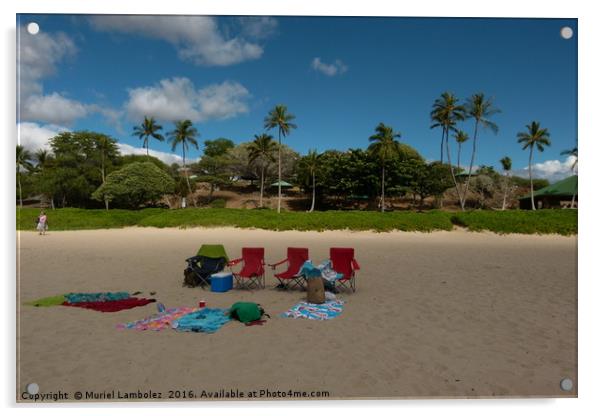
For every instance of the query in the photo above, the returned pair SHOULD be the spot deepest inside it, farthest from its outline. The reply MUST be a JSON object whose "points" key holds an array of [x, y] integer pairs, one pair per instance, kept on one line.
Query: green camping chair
{"points": [[210, 259]]}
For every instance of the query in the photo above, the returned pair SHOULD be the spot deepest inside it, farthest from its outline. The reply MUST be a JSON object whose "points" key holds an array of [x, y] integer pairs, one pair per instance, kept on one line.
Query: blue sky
{"points": [[339, 76]]}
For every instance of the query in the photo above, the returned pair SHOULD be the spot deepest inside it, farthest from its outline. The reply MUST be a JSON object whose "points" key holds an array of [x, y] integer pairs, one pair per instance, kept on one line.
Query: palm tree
{"points": [[533, 137], [43, 158], [461, 137], [507, 166], [148, 128], [280, 118], [311, 164], [384, 147], [104, 145], [480, 109], [572, 152], [184, 134], [262, 148], [23, 160], [446, 113]]}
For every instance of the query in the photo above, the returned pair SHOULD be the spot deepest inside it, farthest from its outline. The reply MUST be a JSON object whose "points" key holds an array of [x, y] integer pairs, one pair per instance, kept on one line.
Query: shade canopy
{"points": [[566, 187], [283, 184]]}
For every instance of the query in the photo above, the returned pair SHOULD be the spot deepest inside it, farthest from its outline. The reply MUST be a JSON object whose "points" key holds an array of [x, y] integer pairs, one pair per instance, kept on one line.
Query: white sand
{"points": [[441, 314]]}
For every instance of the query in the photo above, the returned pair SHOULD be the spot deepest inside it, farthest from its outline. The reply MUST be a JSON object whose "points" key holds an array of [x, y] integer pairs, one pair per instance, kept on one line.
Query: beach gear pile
{"points": [[99, 301]]}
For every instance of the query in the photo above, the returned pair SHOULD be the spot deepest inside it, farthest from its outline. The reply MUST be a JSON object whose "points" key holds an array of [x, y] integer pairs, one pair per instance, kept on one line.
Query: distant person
{"points": [[42, 223]]}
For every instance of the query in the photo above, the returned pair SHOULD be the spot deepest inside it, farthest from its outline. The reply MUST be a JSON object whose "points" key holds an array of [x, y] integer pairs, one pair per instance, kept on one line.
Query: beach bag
{"points": [[315, 291], [191, 279], [246, 312]]}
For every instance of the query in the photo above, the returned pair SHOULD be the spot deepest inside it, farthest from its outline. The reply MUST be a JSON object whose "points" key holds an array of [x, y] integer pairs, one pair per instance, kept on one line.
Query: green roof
{"points": [[566, 187]]}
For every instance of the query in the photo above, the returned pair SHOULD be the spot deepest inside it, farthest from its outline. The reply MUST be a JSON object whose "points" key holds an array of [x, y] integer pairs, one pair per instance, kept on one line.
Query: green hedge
{"points": [[524, 222]]}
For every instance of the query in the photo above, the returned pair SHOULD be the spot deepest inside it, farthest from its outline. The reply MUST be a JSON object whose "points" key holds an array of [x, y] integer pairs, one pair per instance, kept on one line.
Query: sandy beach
{"points": [[445, 314]]}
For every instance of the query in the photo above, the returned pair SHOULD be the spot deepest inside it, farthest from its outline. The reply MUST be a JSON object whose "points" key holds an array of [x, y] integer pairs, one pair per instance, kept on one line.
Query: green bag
{"points": [[246, 311]]}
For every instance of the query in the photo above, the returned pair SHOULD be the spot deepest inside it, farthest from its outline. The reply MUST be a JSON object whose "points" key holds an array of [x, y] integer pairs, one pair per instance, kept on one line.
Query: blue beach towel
{"points": [[324, 270], [205, 320], [328, 310], [95, 297]]}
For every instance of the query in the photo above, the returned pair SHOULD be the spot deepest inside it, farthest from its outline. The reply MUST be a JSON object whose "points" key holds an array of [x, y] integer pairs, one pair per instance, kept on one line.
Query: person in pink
{"points": [[42, 223]]}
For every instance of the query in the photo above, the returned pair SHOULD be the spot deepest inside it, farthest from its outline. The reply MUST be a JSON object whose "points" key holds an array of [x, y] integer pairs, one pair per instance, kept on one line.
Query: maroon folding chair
{"points": [[290, 278], [252, 273], [343, 262]]}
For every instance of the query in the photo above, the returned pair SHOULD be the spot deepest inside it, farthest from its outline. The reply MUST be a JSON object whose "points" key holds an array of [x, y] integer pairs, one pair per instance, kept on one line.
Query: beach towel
{"points": [[48, 301], [111, 305], [328, 310], [95, 297], [204, 320], [158, 321], [324, 270]]}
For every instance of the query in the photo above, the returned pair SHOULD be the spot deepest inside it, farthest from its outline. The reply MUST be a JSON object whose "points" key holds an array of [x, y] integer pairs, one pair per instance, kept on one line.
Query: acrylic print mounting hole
{"points": [[33, 28], [33, 388], [566, 32]]}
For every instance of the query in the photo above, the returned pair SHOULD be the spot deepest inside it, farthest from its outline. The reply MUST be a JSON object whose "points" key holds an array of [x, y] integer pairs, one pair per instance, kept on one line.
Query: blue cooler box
{"points": [[221, 282]]}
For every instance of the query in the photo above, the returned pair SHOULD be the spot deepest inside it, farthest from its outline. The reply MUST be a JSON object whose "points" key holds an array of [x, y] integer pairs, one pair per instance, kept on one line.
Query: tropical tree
{"points": [[44, 161], [385, 147], [507, 167], [23, 160], [480, 109], [446, 113], [534, 137], [262, 150], [461, 137], [572, 152], [310, 164], [184, 135], [148, 128], [107, 149], [280, 118]]}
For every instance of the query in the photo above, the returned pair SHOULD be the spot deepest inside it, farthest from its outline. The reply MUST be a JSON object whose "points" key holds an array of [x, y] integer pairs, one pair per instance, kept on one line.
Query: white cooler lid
{"points": [[221, 275]]}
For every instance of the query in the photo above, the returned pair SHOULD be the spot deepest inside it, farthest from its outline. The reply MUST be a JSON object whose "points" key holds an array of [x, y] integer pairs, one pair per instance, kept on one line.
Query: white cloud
{"points": [[258, 27], [34, 136], [53, 108], [553, 170], [196, 38], [168, 158], [38, 56], [178, 99], [337, 67]]}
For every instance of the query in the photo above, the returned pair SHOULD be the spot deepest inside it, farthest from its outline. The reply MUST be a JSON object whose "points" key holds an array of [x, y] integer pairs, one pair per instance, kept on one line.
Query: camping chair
{"points": [[252, 273], [343, 261], [290, 278], [210, 259]]}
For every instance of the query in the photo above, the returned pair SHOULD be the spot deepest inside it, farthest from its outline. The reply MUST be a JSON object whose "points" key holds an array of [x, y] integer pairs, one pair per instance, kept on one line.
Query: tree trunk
{"points": [[147, 147], [459, 151], [472, 157], [20, 190], [505, 193], [382, 192], [531, 179], [186, 175], [52, 202], [313, 196], [102, 173], [279, 171], [261, 188], [442, 138], [451, 168], [573, 200]]}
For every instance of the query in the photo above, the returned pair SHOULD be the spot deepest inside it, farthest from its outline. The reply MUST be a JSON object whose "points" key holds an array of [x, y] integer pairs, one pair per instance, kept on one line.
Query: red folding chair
{"points": [[343, 261], [290, 278], [252, 273]]}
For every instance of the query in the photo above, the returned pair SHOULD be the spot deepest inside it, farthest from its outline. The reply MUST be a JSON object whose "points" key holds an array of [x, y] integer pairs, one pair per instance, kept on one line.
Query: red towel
{"points": [[112, 305]]}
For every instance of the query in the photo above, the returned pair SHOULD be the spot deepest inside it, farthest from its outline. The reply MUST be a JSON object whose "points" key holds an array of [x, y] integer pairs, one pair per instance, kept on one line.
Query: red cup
{"points": [[202, 304]]}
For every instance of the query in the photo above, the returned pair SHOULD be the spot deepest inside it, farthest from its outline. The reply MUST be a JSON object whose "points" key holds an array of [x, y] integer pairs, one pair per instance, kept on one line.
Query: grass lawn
{"points": [[524, 222]]}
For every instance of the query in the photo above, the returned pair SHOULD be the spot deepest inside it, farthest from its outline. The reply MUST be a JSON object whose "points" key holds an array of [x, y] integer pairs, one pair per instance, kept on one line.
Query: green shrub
{"points": [[218, 203]]}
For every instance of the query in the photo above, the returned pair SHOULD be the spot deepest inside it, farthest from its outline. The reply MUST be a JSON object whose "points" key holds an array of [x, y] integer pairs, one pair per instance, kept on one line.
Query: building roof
{"points": [[566, 187]]}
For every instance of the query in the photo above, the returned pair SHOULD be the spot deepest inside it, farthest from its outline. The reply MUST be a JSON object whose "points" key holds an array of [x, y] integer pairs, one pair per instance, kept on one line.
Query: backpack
{"points": [[247, 312]]}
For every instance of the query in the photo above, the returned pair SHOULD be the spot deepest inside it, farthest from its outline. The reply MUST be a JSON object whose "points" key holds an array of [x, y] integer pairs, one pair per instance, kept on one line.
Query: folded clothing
{"points": [[204, 320], [48, 301], [158, 321], [111, 305], [328, 310], [95, 297]]}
